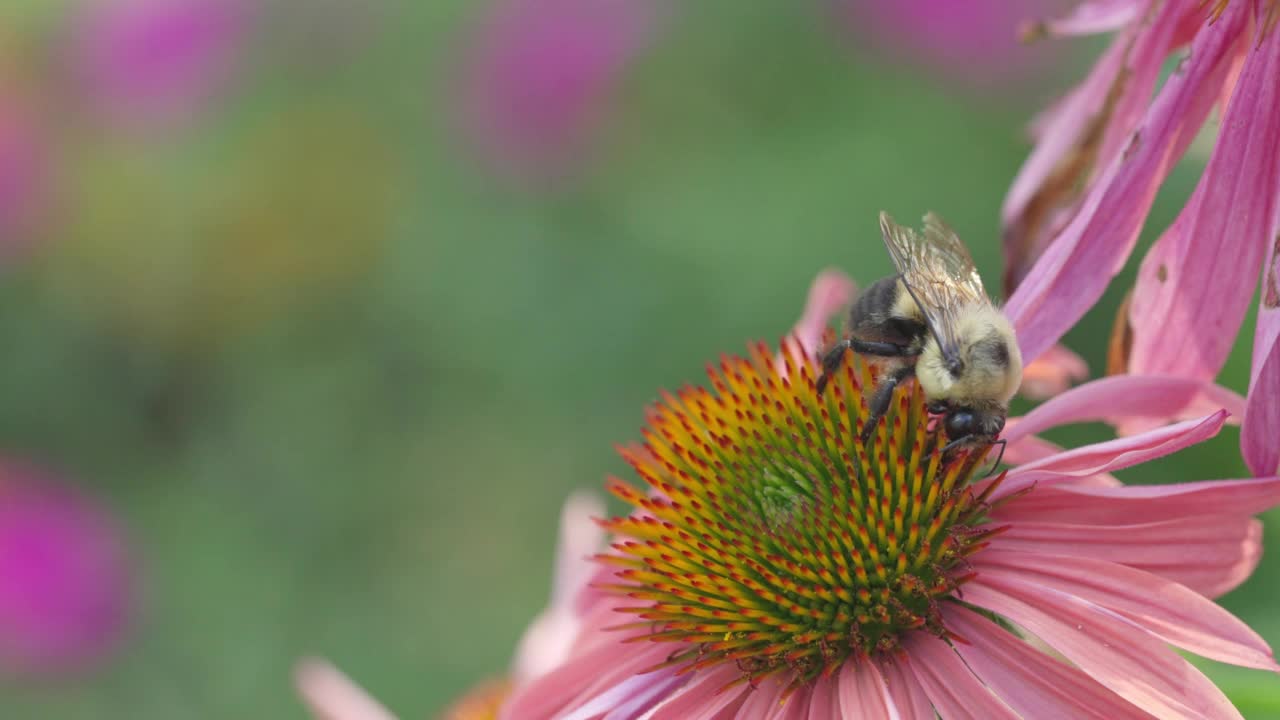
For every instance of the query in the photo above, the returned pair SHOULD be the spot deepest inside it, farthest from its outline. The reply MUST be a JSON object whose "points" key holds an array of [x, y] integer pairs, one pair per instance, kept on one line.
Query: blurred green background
{"points": [[336, 375]]}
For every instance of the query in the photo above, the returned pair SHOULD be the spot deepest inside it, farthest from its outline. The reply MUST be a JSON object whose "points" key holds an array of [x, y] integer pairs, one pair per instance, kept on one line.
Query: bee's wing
{"points": [[938, 271]]}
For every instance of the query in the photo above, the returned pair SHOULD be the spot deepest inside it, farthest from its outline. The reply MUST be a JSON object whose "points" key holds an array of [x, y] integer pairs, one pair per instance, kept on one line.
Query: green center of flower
{"points": [[771, 538]]}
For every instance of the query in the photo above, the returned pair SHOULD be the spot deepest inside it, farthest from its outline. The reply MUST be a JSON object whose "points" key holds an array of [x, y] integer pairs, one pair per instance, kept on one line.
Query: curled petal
{"points": [[1172, 611], [1028, 679], [1092, 248], [331, 695], [1126, 659], [1195, 284], [950, 685], [1114, 454], [1130, 401]]}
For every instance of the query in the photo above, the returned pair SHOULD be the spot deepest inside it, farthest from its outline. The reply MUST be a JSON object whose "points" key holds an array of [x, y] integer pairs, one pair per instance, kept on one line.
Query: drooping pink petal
{"points": [[1114, 454], [571, 683], [1029, 680], [330, 695], [1074, 270], [1094, 505], [950, 685], [1118, 654], [1129, 400], [1195, 284], [548, 639], [765, 701], [1052, 373], [1209, 554], [1060, 132], [1167, 609], [862, 692]]}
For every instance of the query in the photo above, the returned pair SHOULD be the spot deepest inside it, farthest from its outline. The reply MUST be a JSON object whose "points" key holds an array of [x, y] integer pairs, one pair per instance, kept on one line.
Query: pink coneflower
{"points": [[539, 77], [330, 695], [775, 567], [1082, 197], [150, 62], [63, 576]]}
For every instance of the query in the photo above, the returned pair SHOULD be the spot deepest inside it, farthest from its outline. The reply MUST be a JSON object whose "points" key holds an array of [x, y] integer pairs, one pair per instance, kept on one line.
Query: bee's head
{"points": [[961, 422]]}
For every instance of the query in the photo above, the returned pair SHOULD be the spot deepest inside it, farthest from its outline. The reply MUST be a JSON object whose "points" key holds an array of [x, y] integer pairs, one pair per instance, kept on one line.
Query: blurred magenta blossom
{"points": [[22, 175], [539, 76], [149, 61], [1075, 211], [63, 576], [976, 40]]}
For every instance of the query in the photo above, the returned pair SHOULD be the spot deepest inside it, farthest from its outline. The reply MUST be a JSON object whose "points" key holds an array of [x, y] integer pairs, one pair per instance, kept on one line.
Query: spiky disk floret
{"points": [[771, 538]]}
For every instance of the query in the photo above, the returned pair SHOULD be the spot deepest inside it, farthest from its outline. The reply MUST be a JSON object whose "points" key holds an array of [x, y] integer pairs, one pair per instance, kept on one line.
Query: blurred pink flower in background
{"points": [[155, 61], [1079, 203], [63, 576], [22, 176], [539, 76], [976, 41]]}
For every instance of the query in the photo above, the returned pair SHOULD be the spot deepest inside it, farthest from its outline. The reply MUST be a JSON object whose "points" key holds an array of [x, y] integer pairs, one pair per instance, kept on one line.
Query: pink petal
{"points": [[1121, 656], [1114, 454], [1091, 18], [701, 699], [1128, 399], [1181, 616], [764, 701], [950, 685], [1197, 281], [1059, 131], [1093, 505], [1260, 437], [628, 698], [1031, 682], [1210, 554], [830, 291], [1052, 373], [909, 698], [824, 701], [581, 678], [331, 695], [548, 639], [862, 692], [1075, 269]]}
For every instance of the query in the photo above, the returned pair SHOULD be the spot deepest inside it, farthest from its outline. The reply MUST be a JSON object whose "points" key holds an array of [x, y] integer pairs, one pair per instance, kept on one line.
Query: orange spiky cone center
{"points": [[770, 537]]}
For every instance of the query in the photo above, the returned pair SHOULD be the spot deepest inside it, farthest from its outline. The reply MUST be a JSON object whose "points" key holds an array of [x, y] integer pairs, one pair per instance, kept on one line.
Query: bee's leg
{"points": [[1002, 443], [884, 395], [835, 356], [831, 362]]}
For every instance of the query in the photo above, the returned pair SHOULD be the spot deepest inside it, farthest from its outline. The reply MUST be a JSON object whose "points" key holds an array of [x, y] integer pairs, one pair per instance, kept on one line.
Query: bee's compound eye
{"points": [[960, 423]]}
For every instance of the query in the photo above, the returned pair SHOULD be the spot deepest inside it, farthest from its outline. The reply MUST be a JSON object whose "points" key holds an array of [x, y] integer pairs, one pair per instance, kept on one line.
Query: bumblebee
{"points": [[933, 321]]}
